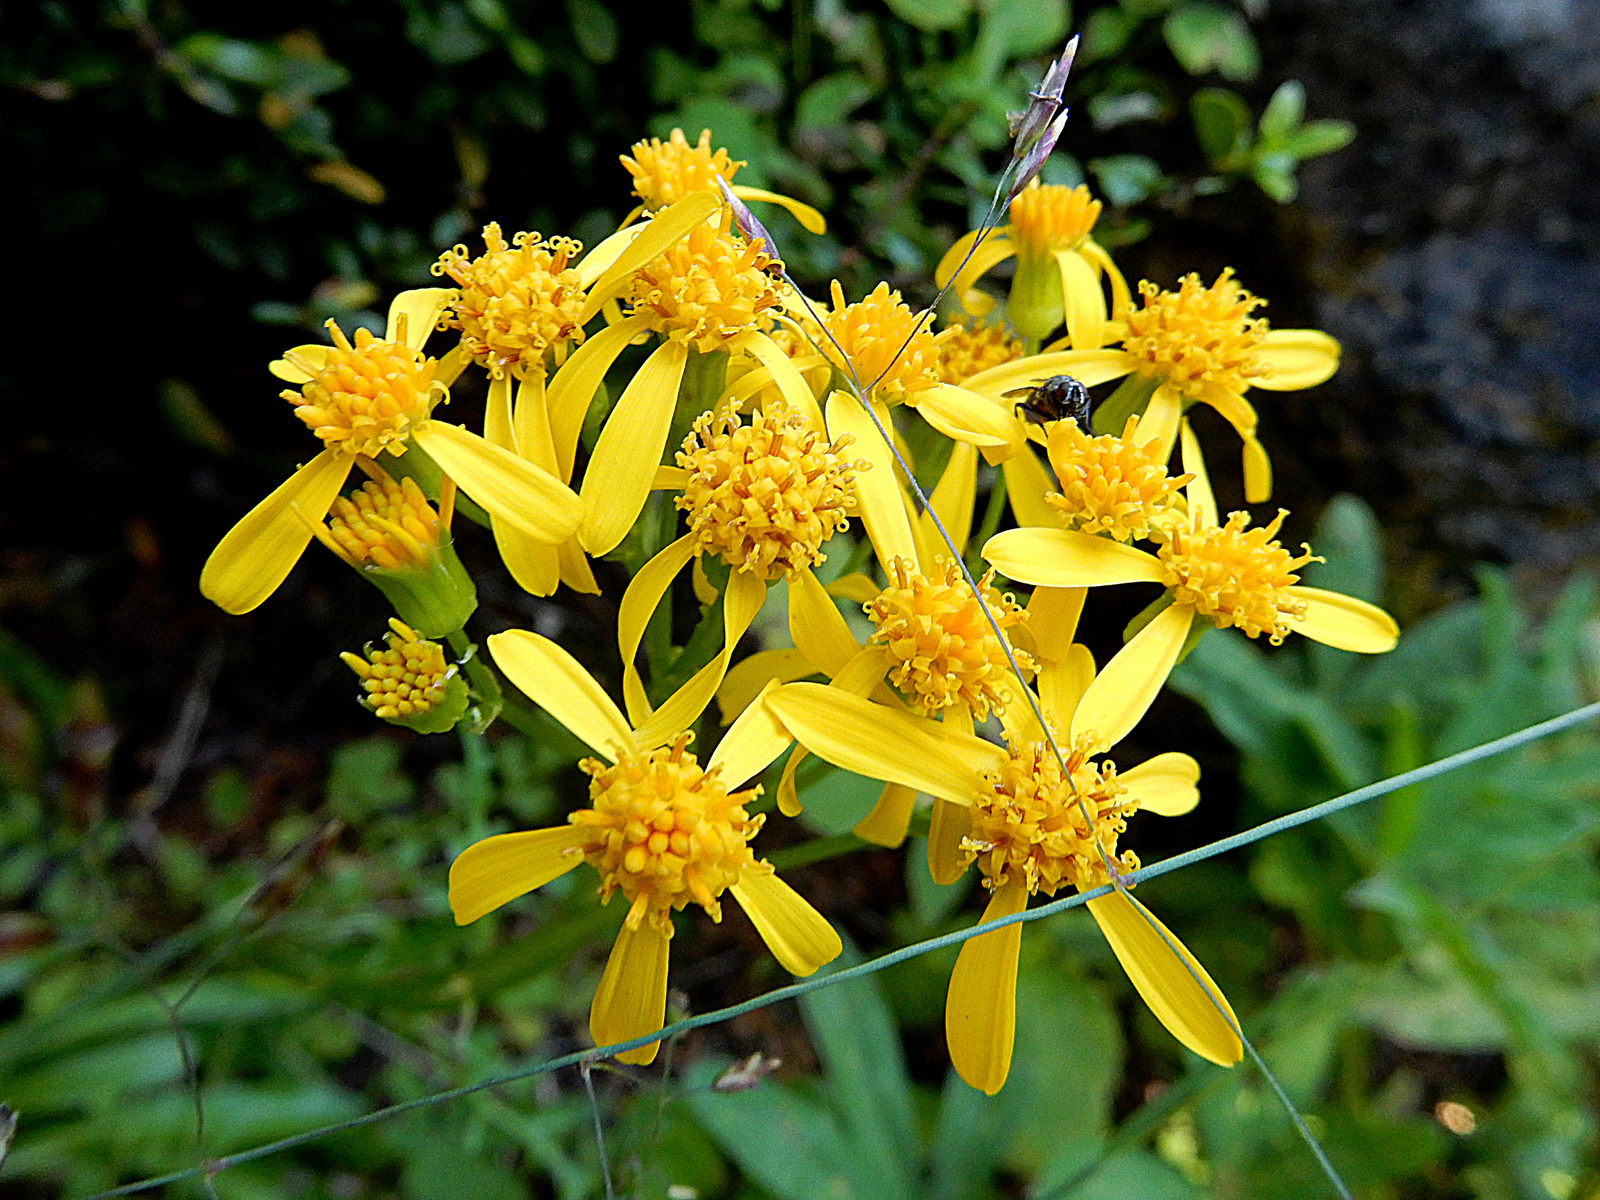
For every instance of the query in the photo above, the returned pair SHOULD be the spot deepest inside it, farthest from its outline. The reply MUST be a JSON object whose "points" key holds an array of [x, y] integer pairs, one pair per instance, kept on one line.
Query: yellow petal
{"points": [[1063, 683], [555, 681], [863, 674], [604, 252], [748, 677], [535, 439], [817, 626], [953, 499], [1187, 1006], [314, 356], [639, 602], [788, 797], [996, 248], [617, 481], [670, 479], [1088, 367], [510, 488], [1124, 691], [948, 826], [572, 389], [1083, 301], [752, 743], [1027, 482], [968, 417], [791, 384], [810, 219], [1067, 558], [632, 997], [869, 739], [1257, 472], [1167, 785], [1121, 298], [1295, 359], [1345, 622], [575, 571], [258, 553], [497, 427], [420, 308], [980, 1012], [890, 817], [1201, 499], [1159, 423], [666, 227], [855, 587], [1053, 620], [797, 934], [535, 565], [498, 869], [882, 511]]}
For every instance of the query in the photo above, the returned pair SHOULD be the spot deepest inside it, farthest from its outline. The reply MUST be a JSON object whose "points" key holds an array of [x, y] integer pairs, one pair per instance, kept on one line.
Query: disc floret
{"points": [[517, 303], [874, 339], [765, 496], [1235, 576], [708, 288], [404, 679], [664, 832], [971, 349], [1197, 339], [1110, 485], [665, 172], [941, 646], [1049, 217], [365, 396]]}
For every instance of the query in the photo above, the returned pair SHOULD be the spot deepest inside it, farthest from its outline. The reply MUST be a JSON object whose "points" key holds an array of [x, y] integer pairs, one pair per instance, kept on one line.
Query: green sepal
{"points": [[435, 600]]}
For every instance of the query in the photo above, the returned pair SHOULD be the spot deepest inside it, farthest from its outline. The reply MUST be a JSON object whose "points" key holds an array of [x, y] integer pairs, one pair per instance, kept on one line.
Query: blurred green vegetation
{"points": [[253, 940]]}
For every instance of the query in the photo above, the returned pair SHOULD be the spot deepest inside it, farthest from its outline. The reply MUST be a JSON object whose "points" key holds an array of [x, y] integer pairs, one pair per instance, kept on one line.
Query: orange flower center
{"points": [[766, 495], [1197, 339], [366, 396], [707, 288], [1030, 820], [1235, 576], [665, 833], [404, 679], [516, 302], [975, 348], [1048, 217], [1110, 485], [878, 343], [383, 524], [665, 172], [940, 642]]}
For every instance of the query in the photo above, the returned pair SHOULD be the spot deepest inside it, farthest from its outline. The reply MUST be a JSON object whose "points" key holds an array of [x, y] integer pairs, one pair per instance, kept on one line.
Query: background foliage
{"points": [[212, 865]]}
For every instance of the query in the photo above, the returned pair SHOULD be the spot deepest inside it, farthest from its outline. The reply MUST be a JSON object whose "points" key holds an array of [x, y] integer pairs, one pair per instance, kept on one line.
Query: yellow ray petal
{"points": [[980, 1012], [1345, 622], [869, 739], [639, 602], [1257, 472], [948, 825], [1167, 785], [863, 674], [1124, 691], [497, 427], [666, 227], [1067, 558], [1201, 499], [1159, 423], [1295, 359], [510, 488], [890, 817], [1083, 301], [799, 937], [531, 424], [632, 997], [996, 248], [498, 869], [752, 743], [420, 308], [788, 798], [258, 553], [1121, 298], [1233, 408], [604, 252], [1062, 684], [572, 390], [575, 570], [617, 480], [791, 384], [1088, 367], [968, 417], [854, 587], [748, 677], [555, 681], [1053, 620], [953, 499], [1027, 482], [810, 219], [882, 511], [817, 626], [313, 355], [535, 565], [1185, 1005]]}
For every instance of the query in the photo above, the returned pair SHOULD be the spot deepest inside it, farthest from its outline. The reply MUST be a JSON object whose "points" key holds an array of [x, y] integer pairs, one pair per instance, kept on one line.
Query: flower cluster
{"points": [[793, 483]]}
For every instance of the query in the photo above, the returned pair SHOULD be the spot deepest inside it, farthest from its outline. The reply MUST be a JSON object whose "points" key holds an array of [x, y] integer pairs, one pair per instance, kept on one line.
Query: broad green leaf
{"points": [[1284, 111], [931, 15], [1221, 122], [1205, 37]]}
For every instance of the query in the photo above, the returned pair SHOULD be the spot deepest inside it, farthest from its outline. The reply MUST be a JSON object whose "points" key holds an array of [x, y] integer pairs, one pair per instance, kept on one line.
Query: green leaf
{"points": [[1020, 27], [240, 61], [1318, 137], [1205, 37], [1221, 122], [931, 15], [1105, 33], [1276, 180], [830, 100], [1284, 111], [1126, 178]]}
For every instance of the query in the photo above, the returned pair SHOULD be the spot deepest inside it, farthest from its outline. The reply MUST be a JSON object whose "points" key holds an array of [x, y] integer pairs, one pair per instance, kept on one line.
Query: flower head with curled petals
{"points": [[707, 289], [973, 348], [366, 395], [1111, 485], [881, 343], [1234, 575], [1199, 340], [664, 172]]}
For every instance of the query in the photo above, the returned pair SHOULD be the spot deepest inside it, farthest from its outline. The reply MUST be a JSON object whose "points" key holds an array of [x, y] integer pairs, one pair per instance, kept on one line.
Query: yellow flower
{"points": [[1012, 812], [360, 399], [660, 828], [665, 172], [1058, 266], [408, 682], [974, 348], [1113, 485], [1197, 345], [1227, 573]]}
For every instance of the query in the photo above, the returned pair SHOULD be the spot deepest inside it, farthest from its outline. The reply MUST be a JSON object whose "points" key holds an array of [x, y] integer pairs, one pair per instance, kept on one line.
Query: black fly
{"points": [[1059, 398]]}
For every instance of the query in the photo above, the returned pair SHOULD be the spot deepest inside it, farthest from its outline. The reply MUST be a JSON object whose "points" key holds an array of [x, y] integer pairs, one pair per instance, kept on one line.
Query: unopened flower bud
{"points": [[408, 682]]}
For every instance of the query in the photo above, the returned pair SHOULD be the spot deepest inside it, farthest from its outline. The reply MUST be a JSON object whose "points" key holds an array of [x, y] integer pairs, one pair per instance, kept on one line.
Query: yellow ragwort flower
{"points": [[1113, 485], [974, 348], [665, 172], [406, 677]]}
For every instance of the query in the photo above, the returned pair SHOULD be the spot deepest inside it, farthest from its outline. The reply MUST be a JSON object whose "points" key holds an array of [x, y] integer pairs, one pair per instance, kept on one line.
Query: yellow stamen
{"points": [[1110, 485], [517, 302], [665, 172], [407, 678], [366, 397], [975, 348], [943, 649], [382, 524], [871, 335], [765, 496], [1029, 819], [1196, 339], [1233, 575], [707, 288], [1048, 217], [666, 833]]}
